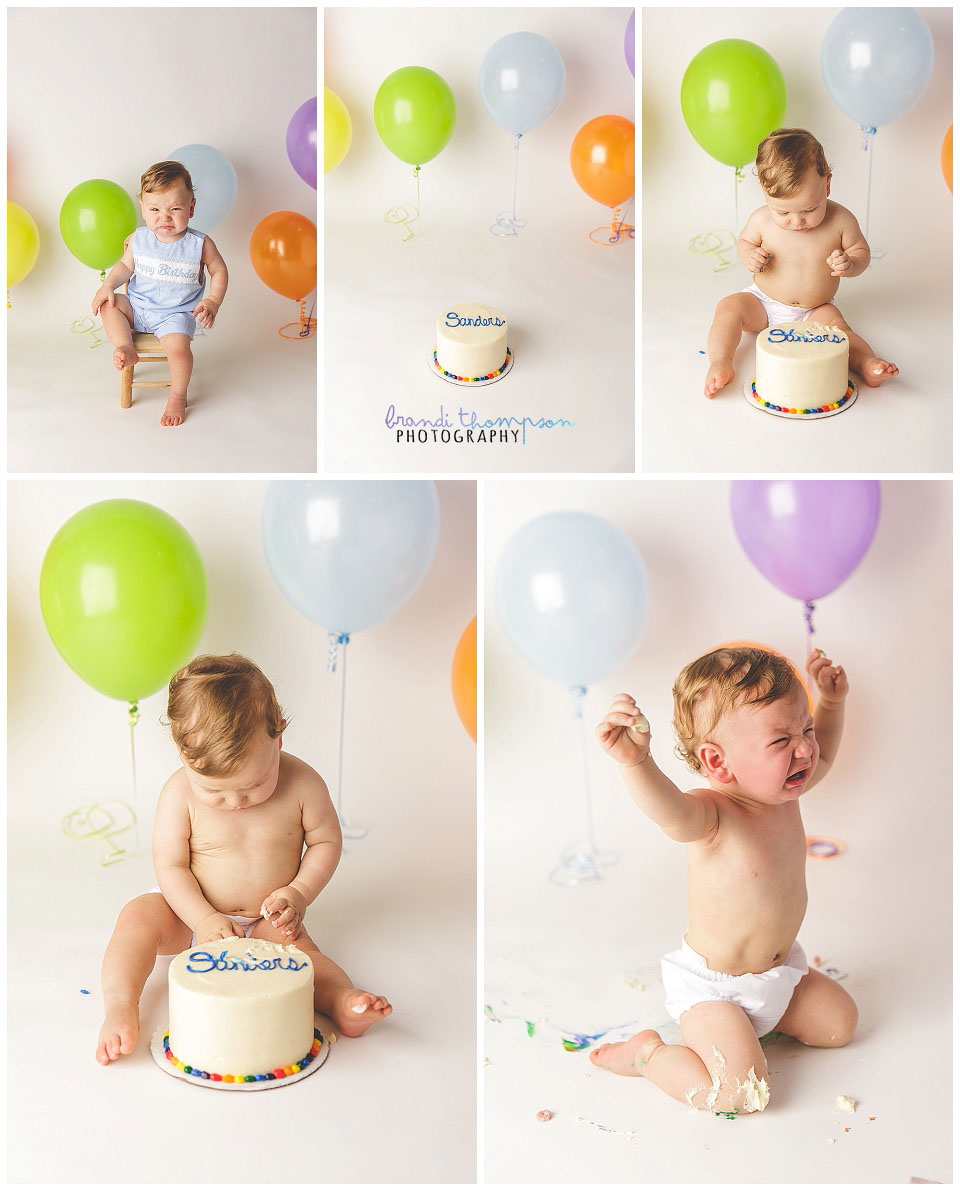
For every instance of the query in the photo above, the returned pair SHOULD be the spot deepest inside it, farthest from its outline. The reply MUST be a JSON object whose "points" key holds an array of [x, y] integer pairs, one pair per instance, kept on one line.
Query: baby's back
{"points": [[746, 888]]}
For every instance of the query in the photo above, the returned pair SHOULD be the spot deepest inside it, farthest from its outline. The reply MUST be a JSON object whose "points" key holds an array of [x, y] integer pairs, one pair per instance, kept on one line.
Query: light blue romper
{"points": [[168, 281]]}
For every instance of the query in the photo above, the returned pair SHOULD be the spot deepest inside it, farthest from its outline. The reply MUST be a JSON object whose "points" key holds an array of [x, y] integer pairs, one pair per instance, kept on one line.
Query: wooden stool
{"points": [[147, 347]]}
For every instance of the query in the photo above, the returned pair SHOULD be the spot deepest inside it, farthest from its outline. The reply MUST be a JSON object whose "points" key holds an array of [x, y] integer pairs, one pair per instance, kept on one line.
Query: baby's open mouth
{"points": [[796, 778]]}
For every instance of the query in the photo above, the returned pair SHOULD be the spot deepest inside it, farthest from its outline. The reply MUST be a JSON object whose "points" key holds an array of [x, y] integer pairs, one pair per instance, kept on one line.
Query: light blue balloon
{"points": [[214, 182], [521, 81], [573, 596], [348, 553], [876, 62]]}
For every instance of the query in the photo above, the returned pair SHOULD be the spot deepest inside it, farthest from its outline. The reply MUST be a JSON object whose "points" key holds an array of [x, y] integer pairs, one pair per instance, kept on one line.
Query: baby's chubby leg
{"points": [[721, 1067], [180, 359], [863, 359], [354, 1010], [118, 324], [146, 928], [735, 314], [820, 1013]]}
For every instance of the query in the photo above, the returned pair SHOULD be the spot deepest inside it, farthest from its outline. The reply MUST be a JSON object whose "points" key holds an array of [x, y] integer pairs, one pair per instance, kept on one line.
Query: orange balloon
{"points": [[463, 678], [757, 645], [601, 158], [283, 252], [946, 158]]}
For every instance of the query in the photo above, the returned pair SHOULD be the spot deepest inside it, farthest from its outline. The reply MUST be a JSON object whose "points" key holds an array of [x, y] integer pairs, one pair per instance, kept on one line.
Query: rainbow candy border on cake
{"points": [[276, 1073], [473, 380], [816, 409]]}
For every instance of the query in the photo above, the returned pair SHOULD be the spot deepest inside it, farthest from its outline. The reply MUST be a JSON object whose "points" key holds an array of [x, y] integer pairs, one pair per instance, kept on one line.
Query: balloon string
{"points": [[342, 642], [737, 179], [133, 717], [416, 174], [508, 223], [867, 145], [578, 693], [808, 610]]}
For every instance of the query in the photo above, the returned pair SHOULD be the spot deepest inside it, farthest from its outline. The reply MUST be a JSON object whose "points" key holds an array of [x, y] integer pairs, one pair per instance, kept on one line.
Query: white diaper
{"points": [[778, 312], [240, 919], [763, 996]]}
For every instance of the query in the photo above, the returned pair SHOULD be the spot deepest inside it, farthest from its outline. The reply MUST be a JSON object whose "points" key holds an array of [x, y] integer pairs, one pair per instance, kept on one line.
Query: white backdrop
{"points": [[399, 915], [569, 303], [104, 93], [901, 305], [586, 959]]}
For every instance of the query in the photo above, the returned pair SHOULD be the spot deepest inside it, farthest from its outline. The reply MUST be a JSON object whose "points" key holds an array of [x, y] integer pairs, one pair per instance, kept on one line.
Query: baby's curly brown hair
{"points": [[163, 175], [711, 686], [784, 159], [216, 707]]}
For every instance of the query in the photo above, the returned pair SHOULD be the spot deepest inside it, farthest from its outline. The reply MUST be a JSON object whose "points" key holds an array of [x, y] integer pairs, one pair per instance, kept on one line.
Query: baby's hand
{"points": [[284, 910], [831, 680], [625, 732], [205, 312], [217, 926], [104, 295], [757, 260], [839, 263]]}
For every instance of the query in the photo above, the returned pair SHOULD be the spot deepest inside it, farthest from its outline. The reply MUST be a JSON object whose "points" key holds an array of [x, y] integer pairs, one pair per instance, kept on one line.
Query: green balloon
{"points": [[732, 96], [414, 112], [95, 219], [124, 596]]}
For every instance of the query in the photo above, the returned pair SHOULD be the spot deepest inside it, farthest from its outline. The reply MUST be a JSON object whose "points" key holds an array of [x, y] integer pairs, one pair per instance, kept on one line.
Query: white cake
{"points": [[801, 367], [241, 1008], [471, 342]]}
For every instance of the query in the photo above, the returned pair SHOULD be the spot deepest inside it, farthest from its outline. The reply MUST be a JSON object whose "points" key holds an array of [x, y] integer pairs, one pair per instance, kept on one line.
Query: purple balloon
{"points": [[805, 536], [628, 44], [302, 141]]}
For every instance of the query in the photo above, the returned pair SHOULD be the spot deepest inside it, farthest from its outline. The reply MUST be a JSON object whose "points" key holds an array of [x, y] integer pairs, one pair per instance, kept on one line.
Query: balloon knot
{"points": [[808, 610], [133, 714], [334, 641], [578, 692]]}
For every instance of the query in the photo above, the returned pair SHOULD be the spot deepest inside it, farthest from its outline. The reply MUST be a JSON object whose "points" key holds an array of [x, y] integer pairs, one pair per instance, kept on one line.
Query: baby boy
{"points": [[228, 849], [744, 724], [164, 264], [798, 245]]}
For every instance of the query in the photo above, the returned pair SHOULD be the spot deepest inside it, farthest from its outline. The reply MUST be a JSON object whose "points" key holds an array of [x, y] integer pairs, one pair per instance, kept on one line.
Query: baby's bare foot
{"points": [[875, 371], [124, 356], [355, 1011], [175, 411], [720, 373], [118, 1034], [630, 1057]]}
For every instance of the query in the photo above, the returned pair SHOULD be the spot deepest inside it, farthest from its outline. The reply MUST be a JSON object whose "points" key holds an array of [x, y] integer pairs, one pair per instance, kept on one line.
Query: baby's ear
{"points": [[711, 758]]}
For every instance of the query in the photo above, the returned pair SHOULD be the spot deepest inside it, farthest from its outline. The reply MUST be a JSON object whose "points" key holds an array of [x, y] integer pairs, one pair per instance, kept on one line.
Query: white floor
{"points": [[904, 426], [569, 307], [252, 398], [582, 960], [398, 1105]]}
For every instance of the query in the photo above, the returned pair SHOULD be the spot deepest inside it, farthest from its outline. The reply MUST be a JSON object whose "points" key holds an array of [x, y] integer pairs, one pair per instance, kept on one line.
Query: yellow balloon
{"points": [[23, 243], [337, 130]]}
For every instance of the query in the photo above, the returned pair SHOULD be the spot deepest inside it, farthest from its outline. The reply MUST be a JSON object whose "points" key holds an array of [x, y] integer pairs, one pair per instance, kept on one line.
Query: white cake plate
{"points": [[781, 413], [470, 384], [258, 1085]]}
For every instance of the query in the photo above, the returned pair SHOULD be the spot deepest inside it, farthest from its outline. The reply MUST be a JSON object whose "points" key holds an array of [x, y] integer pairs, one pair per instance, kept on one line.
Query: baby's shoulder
{"points": [[835, 211], [297, 775]]}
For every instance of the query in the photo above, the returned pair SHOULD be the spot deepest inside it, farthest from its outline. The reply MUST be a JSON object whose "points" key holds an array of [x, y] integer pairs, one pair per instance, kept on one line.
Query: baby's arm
{"points": [[171, 863], [207, 308], [832, 688], [285, 907], [853, 256], [625, 735], [749, 245], [121, 272]]}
